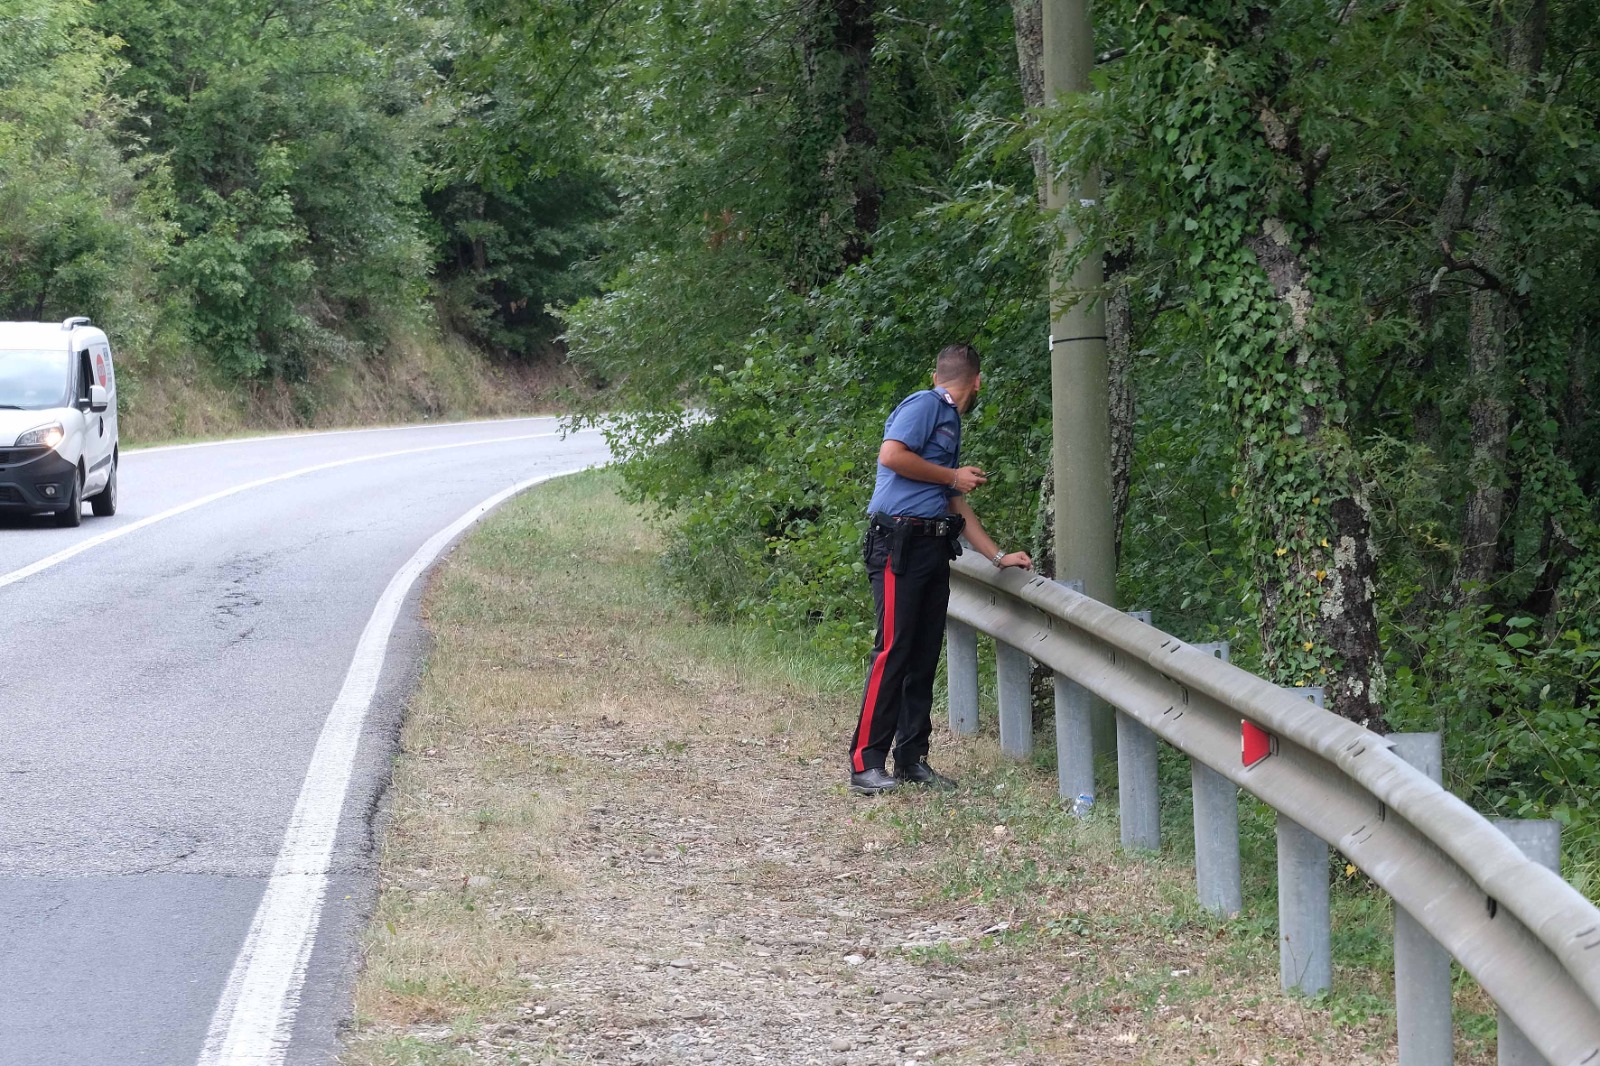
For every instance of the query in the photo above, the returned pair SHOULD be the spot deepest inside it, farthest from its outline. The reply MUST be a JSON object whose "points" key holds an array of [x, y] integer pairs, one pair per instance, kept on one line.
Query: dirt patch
{"points": [[621, 836]]}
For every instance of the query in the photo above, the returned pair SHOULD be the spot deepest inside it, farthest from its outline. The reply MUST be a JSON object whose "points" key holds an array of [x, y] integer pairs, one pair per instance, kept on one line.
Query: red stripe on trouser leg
{"points": [[869, 705]]}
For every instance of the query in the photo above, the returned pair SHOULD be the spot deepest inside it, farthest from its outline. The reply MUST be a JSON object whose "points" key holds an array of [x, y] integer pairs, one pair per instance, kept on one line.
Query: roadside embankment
{"points": [[618, 834], [432, 378]]}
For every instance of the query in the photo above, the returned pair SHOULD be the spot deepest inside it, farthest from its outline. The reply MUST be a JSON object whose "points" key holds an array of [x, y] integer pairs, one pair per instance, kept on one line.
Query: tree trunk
{"points": [[1044, 520], [1426, 419], [855, 37], [1316, 590], [1489, 416], [1575, 412], [1119, 359], [1028, 17], [1277, 328], [833, 143], [1491, 323], [1558, 548]]}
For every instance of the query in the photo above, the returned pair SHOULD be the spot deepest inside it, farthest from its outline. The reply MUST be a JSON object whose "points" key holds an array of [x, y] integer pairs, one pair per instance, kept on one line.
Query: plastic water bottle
{"points": [[1082, 805]]}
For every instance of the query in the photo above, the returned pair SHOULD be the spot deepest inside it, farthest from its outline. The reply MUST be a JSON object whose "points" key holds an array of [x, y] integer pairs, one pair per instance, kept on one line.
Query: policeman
{"points": [[918, 510]]}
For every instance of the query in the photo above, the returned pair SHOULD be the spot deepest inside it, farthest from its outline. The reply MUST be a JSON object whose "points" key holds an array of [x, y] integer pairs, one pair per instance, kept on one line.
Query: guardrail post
{"points": [[1138, 791], [1216, 829], [1216, 840], [1305, 954], [1305, 924], [1014, 676], [1138, 779], [1421, 965], [1541, 842], [961, 676], [1074, 738]]}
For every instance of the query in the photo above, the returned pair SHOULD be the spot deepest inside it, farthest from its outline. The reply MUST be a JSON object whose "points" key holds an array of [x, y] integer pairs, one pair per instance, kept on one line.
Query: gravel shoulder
{"points": [[618, 834]]}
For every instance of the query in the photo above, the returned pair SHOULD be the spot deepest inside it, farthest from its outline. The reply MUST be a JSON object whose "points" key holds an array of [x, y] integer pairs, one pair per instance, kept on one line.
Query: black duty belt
{"points": [[917, 527]]}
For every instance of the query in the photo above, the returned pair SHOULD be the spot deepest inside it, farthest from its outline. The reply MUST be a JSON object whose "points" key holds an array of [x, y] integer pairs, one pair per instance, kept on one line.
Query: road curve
{"points": [[169, 685]]}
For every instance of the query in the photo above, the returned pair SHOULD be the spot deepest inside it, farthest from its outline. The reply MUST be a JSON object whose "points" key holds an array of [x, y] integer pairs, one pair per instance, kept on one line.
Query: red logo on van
{"points": [[100, 368]]}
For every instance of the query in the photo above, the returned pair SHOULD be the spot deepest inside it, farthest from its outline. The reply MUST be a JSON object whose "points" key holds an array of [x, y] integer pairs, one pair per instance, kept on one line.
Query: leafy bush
{"points": [[772, 470], [82, 228], [1518, 710]]}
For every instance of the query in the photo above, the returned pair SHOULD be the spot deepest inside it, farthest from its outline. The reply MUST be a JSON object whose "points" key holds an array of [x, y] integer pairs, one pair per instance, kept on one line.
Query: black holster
{"points": [[957, 524], [899, 533]]}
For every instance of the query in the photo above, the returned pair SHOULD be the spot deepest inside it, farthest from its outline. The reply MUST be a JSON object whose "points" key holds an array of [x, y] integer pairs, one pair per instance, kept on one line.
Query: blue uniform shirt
{"points": [[928, 423]]}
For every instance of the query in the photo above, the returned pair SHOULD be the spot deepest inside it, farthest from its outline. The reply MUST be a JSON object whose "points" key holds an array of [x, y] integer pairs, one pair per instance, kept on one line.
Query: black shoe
{"points": [[920, 773], [873, 782]]}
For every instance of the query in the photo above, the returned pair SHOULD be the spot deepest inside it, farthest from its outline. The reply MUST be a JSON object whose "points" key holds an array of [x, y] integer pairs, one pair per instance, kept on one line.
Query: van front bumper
{"points": [[34, 479]]}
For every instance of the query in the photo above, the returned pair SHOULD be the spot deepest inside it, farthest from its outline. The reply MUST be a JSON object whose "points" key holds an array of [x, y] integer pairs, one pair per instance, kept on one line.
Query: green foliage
{"points": [[508, 255], [273, 183], [1517, 708], [1182, 556], [82, 228], [521, 193], [293, 136], [1218, 127]]}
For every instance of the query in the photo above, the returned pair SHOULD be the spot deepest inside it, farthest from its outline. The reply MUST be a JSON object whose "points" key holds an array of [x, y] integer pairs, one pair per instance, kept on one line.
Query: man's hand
{"points": [[967, 478], [1016, 559]]}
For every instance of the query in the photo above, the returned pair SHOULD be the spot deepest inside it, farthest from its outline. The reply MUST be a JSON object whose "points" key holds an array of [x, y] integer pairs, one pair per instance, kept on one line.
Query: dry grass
{"points": [[619, 835]]}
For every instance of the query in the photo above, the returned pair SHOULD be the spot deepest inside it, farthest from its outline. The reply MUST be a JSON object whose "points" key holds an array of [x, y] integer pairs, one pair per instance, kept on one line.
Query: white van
{"points": [[58, 420]]}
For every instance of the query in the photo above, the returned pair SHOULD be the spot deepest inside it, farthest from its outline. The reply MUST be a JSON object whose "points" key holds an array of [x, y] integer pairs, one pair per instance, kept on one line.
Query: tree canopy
{"points": [[281, 186]]}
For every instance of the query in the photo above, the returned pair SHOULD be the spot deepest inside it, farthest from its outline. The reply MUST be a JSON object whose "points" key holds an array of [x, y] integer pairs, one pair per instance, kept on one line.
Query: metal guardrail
{"points": [[1531, 940]]}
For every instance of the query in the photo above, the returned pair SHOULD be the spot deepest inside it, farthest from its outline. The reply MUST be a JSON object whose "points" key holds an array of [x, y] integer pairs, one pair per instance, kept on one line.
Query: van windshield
{"points": [[34, 380]]}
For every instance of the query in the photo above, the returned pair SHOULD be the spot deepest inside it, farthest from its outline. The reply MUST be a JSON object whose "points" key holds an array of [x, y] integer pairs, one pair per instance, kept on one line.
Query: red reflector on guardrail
{"points": [[1255, 743]]}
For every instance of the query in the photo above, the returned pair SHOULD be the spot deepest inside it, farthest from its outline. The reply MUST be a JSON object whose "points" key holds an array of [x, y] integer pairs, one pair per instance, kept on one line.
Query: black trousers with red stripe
{"points": [[897, 707]]}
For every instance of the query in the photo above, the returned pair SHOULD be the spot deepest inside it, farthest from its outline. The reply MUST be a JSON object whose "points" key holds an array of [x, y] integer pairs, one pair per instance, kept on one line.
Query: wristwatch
{"points": [[999, 554]]}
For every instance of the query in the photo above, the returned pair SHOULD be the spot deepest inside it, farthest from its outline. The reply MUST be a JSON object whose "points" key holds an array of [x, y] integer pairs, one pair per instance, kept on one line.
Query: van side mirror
{"points": [[98, 400]]}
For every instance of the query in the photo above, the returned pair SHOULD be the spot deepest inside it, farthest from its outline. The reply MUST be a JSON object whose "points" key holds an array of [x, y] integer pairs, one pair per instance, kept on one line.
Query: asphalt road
{"points": [[162, 697]]}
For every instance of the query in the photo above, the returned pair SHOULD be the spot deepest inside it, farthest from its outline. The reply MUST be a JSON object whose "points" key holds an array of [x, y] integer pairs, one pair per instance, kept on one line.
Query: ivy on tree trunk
{"points": [[1315, 569], [1229, 170]]}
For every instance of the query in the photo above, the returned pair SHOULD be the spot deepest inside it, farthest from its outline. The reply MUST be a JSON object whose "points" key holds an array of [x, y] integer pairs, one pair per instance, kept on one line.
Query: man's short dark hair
{"points": [[957, 362]]}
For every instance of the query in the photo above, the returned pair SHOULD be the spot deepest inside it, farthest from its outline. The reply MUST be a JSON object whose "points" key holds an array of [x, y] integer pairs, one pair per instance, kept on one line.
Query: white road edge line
{"points": [[303, 434], [254, 1019], [41, 565]]}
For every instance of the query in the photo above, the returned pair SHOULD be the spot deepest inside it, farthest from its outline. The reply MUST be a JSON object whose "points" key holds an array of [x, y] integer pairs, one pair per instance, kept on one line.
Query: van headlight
{"points": [[45, 436]]}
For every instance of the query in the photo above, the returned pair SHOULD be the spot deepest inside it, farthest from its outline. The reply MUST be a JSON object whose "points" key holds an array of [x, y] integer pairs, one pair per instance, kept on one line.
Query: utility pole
{"points": [[1079, 382]]}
